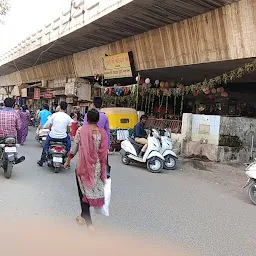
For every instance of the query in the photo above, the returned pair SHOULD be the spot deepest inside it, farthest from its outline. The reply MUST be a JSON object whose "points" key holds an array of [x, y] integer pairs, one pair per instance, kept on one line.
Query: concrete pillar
{"points": [[186, 129]]}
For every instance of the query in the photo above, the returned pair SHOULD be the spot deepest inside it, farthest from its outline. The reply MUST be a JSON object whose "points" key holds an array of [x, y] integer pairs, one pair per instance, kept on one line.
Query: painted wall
{"points": [[205, 129]]}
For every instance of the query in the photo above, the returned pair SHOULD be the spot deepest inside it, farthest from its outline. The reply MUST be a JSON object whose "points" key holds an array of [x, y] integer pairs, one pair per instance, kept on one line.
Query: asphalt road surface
{"points": [[174, 207]]}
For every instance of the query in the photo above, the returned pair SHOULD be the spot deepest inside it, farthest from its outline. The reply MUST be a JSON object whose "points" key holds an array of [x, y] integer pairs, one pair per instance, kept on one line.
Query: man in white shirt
{"points": [[60, 124]]}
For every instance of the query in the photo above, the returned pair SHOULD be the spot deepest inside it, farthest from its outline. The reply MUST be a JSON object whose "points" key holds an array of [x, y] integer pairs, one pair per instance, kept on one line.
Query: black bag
{"points": [[108, 169]]}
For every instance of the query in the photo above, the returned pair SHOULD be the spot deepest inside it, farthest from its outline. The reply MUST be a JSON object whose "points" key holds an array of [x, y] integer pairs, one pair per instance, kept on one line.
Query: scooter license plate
{"points": [[43, 138], [57, 159], [10, 149]]}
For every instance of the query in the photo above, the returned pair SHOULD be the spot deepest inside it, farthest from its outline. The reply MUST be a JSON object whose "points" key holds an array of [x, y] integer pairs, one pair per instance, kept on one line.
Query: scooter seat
{"points": [[134, 143]]}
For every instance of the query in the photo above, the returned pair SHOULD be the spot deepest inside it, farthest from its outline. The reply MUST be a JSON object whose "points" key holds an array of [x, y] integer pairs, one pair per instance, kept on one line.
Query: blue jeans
{"points": [[66, 140]]}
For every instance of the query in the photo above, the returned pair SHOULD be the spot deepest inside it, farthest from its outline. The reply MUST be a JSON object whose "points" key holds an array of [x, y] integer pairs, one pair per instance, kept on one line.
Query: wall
{"points": [[205, 129], [225, 139], [237, 131]]}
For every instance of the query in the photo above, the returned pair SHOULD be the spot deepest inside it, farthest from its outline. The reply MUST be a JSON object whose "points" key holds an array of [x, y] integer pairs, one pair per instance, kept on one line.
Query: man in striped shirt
{"points": [[10, 121]]}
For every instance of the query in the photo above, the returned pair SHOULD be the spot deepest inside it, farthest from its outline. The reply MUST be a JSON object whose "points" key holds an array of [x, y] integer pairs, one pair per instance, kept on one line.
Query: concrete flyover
{"points": [[97, 23]]}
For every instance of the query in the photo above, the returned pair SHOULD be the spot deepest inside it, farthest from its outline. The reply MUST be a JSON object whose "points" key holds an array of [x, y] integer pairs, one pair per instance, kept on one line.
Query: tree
{"points": [[4, 8]]}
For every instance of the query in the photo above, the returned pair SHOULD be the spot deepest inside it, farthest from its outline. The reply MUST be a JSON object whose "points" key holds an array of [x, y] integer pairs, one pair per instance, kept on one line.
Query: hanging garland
{"points": [[127, 94], [146, 104], [122, 100], [152, 105], [181, 105], [205, 86], [166, 104]]}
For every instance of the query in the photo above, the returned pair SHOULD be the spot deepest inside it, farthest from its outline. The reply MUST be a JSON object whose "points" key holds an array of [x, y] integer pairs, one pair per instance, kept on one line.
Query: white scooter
{"points": [[42, 135], [250, 172], [166, 150], [130, 150]]}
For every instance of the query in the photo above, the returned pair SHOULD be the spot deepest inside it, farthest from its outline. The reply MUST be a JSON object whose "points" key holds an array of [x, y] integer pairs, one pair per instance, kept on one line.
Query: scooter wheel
{"points": [[56, 169], [252, 192], [155, 164], [170, 162], [125, 160]]}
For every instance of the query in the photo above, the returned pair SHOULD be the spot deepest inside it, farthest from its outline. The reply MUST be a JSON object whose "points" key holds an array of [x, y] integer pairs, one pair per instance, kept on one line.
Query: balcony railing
{"points": [[173, 125]]}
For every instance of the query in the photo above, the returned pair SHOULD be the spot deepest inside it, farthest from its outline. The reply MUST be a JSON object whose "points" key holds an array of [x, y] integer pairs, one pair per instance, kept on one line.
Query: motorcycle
{"points": [[250, 172], [166, 150], [57, 155], [130, 150], [42, 135], [8, 156]]}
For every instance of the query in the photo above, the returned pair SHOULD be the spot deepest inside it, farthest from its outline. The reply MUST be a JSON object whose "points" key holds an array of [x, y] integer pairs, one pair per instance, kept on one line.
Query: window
{"points": [[124, 121]]}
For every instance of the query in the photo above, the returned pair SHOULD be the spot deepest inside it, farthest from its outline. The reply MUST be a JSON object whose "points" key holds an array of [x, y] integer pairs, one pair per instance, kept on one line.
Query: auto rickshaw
{"points": [[121, 123]]}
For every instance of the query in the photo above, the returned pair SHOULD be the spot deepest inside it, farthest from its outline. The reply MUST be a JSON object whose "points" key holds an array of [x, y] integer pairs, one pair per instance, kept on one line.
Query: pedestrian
{"points": [[16, 108], [92, 144], [103, 123], [76, 115], [23, 132]]}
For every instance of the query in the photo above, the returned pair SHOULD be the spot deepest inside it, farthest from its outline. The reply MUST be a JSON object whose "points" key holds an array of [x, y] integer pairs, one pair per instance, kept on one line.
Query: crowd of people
{"points": [[91, 143]]}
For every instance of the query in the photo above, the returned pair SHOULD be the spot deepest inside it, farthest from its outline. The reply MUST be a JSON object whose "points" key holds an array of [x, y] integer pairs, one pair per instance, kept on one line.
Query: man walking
{"points": [[103, 122]]}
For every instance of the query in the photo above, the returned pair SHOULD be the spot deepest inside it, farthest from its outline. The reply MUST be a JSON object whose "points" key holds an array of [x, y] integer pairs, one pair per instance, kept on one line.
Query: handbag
{"points": [[104, 210]]}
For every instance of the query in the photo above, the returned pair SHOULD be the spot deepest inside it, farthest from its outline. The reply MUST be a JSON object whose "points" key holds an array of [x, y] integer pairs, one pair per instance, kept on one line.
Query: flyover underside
{"points": [[199, 72], [137, 17]]}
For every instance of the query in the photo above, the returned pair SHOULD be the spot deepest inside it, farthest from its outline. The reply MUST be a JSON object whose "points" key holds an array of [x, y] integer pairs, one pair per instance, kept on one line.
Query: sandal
{"points": [[80, 220]]}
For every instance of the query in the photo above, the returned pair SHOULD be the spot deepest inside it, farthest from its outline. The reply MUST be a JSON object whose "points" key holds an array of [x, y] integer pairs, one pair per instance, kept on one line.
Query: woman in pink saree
{"points": [[91, 144], [23, 132]]}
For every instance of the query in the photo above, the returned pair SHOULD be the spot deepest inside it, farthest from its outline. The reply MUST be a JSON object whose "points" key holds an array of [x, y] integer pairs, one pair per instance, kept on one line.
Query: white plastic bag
{"points": [[104, 210]]}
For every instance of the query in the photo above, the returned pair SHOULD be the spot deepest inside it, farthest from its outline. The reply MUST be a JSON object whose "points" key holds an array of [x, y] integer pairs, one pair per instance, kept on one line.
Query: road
{"points": [[176, 207]]}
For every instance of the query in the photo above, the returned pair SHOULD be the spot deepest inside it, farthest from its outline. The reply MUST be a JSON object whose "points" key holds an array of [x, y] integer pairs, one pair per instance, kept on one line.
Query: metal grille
{"points": [[173, 125]]}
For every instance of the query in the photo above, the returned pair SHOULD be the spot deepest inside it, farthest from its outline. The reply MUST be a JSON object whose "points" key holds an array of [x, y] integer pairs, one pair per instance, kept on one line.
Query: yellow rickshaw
{"points": [[121, 123]]}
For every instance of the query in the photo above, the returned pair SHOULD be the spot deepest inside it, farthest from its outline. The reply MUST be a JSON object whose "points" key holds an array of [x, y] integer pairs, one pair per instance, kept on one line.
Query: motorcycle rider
{"points": [[10, 122], [43, 116], [140, 134], [60, 124]]}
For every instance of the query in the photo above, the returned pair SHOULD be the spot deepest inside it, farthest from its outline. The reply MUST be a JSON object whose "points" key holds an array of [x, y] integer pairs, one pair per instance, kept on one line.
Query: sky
{"points": [[26, 17]]}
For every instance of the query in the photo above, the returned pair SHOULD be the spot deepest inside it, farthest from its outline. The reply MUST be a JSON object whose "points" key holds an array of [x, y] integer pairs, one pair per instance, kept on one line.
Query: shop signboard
{"points": [[48, 95], [70, 89], [37, 93], [24, 93], [118, 66]]}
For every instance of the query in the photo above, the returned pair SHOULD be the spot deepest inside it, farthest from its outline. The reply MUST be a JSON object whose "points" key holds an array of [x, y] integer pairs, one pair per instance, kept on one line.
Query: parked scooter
{"points": [[57, 155], [8, 156], [42, 135], [250, 172], [166, 150], [130, 150]]}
